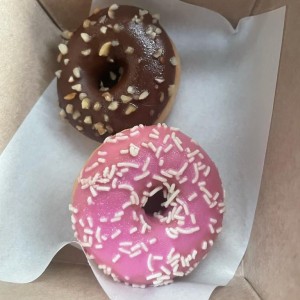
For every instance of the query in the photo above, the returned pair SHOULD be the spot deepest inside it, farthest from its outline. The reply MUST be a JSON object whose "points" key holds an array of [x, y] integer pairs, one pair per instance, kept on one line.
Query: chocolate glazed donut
{"points": [[117, 70]]}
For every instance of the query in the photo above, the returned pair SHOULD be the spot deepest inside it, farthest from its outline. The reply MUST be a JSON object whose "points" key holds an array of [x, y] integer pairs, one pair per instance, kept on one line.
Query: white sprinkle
{"points": [[126, 204], [125, 244], [114, 183], [103, 219], [112, 172], [182, 261], [133, 230], [153, 136], [173, 196], [216, 196], [196, 177], [183, 168], [166, 138], [149, 263], [101, 160], [73, 219], [211, 242], [102, 188], [152, 241], [170, 253], [73, 209], [192, 154], [165, 270], [207, 171], [158, 257], [119, 213], [206, 191], [102, 153], [154, 191], [128, 164], [134, 133], [193, 219], [90, 221], [212, 220], [124, 251], [170, 234], [178, 274], [135, 247], [218, 230], [134, 254], [211, 228], [174, 259], [176, 141], [115, 234], [207, 200], [97, 235], [141, 176], [88, 231], [192, 197], [183, 180], [221, 204], [81, 223], [124, 170], [187, 230], [145, 145], [166, 174], [115, 219], [161, 162], [159, 178], [166, 150], [135, 216], [116, 258], [125, 187], [152, 147], [146, 164], [144, 247], [153, 276], [104, 237]]}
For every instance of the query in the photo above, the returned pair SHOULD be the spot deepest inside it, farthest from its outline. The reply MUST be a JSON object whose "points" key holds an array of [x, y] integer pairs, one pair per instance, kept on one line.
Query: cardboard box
{"points": [[271, 266]]}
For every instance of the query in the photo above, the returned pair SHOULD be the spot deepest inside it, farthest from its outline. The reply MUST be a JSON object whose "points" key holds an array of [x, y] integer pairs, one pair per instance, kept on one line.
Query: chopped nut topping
{"points": [[86, 103], [86, 38], [104, 50], [140, 60], [102, 19], [63, 49], [58, 73], [158, 30], [96, 10], [130, 90], [86, 52], [159, 79], [162, 96], [113, 105], [111, 10], [171, 90], [76, 87], [103, 29], [108, 96], [109, 129], [136, 19], [173, 61], [76, 72], [130, 109], [93, 23], [66, 34], [149, 30], [69, 109], [82, 96], [86, 23], [126, 99], [156, 18], [158, 53], [143, 12], [62, 113], [59, 57], [134, 150], [106, 118], [112, 76], [88, 120], [79, 128], [71, 79], [115, 43], [66, 61], [76, 115], [110, 60], [153, 35], [129, 50], [97, 106], [70, 96], [117, 27], [143, 95], [100, 128]]}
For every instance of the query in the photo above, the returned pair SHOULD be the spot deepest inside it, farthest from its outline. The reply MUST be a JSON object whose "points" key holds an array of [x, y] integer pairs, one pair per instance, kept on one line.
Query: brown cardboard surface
{"points": [[27, 63], [272, 261]]}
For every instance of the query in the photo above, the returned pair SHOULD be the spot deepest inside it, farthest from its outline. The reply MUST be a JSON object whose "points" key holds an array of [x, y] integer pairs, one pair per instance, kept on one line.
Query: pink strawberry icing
{"points": [[126, 173]]}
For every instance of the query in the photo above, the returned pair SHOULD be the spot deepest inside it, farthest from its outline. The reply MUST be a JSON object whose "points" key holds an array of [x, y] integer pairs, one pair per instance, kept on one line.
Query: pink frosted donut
{"points": [[148, 205]]}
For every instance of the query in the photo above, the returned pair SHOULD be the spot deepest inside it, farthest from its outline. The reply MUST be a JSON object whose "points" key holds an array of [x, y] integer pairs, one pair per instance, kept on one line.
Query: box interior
{"points": [[270, 268]]}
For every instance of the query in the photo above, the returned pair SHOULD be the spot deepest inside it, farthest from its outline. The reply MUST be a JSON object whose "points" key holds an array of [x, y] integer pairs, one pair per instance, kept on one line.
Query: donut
{"points": [[148, 205], [117, 70]]}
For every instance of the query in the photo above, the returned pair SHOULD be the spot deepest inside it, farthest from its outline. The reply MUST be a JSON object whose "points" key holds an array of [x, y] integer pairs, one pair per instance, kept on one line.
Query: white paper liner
{"points": [[225, 102]]}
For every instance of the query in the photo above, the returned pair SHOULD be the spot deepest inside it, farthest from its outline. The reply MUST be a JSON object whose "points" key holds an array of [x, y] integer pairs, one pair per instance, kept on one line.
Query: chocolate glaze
{"points": [[134, 29]]}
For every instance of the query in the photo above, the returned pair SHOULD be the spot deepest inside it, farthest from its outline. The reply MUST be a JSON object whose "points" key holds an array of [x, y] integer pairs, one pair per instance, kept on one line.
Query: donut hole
{"points": [[153, 204], [110, 75]]}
